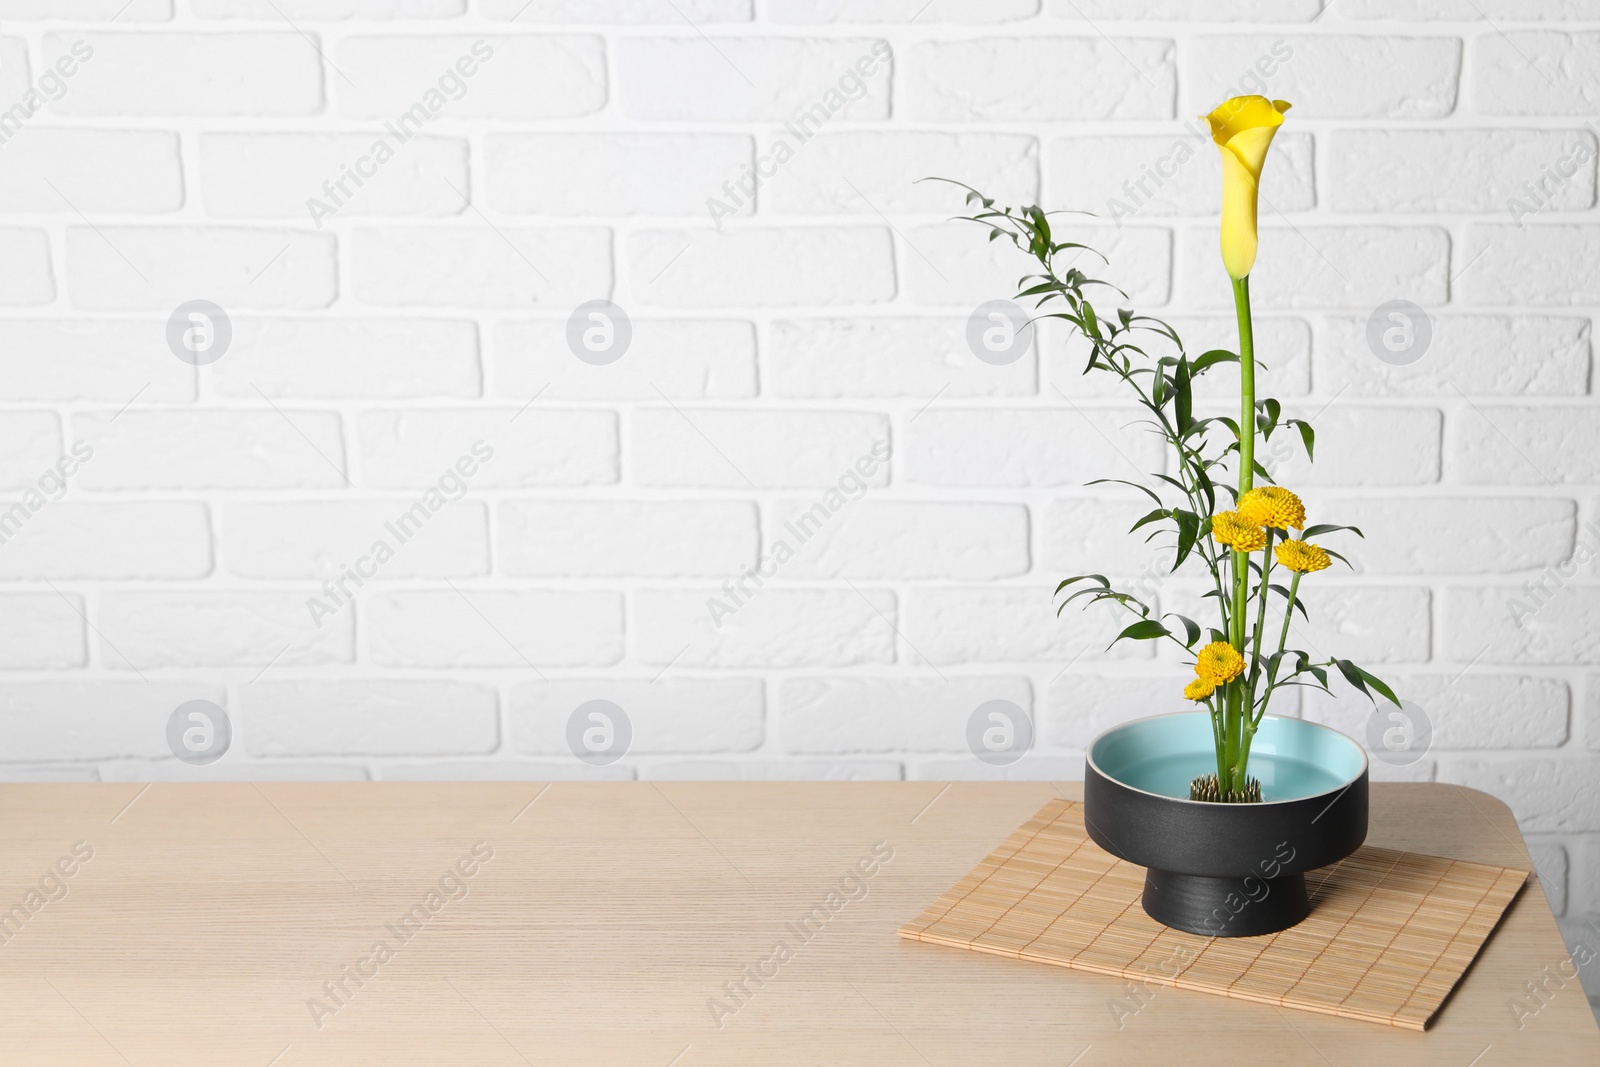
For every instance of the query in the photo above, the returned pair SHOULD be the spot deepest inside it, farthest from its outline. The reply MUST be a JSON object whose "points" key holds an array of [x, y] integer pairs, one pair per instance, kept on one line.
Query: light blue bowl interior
{"points": [[1291, 758]]}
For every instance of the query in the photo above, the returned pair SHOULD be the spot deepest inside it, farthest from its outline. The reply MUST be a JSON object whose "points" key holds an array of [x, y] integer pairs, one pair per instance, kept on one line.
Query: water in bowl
{"points": [[1281, 777]]}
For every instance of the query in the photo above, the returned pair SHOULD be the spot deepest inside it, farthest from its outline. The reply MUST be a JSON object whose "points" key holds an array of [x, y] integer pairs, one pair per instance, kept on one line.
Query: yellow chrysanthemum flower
{"points": [[1303, 557], [1199, 689], [1218, 663], [1274, 506], [1228, 528]]}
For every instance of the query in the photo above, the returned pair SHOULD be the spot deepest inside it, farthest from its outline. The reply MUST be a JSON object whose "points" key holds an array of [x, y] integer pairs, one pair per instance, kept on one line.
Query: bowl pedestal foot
{"points": [[1225, 907]]}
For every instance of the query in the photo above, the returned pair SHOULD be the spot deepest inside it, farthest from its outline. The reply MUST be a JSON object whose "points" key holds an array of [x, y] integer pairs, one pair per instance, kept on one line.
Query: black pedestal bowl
{"points": [[1225, 870]]}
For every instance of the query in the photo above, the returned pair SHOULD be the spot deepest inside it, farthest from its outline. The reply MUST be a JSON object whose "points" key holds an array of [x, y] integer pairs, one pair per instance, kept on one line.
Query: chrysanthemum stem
{"points": [[1283, 639], [1261, 614], [1248, 735], [1288, 612], [1217, 737]]}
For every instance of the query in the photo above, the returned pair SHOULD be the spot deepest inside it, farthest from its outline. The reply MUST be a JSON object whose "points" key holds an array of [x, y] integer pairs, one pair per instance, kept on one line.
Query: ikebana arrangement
{"points": [[1209, 826]]}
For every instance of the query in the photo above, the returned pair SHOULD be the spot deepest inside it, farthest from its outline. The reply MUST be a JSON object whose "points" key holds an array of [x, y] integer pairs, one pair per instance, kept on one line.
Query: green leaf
{"points": [[1210, 359], [1308, 437], [1352, 674], [1082, 578], [1183, 407], [1157, 326], [1284, 592], [1191, 629], [1170, 480], [1276, 659], [1041, 226], [1127, 600], [1380, 685], [1069, 244], [1146, 490], [1091, 320], [1340, 558], [1188, 533], [1209, 492], [1328, 527], [1154, 516], [1143, 630]]}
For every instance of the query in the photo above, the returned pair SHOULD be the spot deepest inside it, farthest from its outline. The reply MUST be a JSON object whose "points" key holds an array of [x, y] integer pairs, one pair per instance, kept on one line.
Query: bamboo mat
{"points": [[1389, 935]]}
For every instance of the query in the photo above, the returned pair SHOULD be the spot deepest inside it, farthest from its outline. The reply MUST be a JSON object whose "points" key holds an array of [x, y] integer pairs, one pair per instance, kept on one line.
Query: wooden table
{"points": [[631, 923]]}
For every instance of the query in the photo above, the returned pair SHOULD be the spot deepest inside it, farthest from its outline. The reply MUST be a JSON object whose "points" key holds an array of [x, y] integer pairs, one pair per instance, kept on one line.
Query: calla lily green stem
{"points": [[1239, 726]]}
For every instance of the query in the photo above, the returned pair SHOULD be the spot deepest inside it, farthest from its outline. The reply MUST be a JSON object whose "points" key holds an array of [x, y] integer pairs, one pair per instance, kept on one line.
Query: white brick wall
{"points": [[797, 431]]}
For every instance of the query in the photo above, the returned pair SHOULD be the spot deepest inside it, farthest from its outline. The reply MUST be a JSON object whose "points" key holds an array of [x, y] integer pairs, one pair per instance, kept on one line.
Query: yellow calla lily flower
{"points": [[1243, 128]]}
